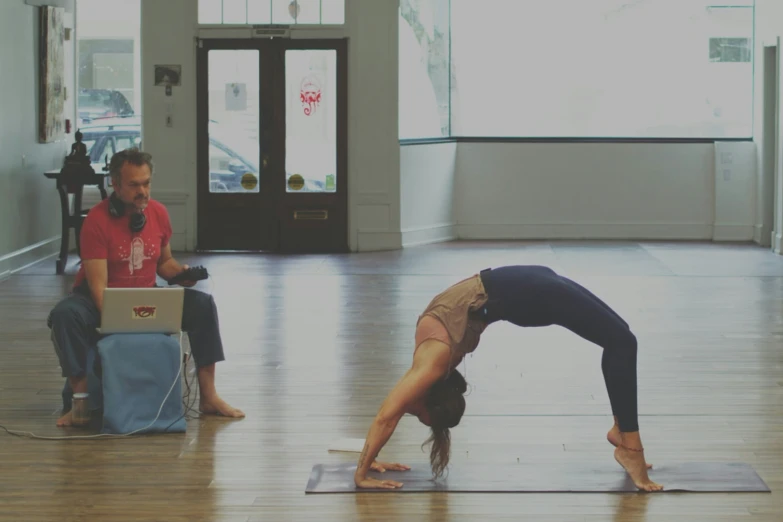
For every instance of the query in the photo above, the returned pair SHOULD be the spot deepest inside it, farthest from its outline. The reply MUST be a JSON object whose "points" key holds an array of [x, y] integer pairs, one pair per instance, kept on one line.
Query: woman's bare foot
{"points": [[65, 421], [217, 406], [615, 439], [634, 465], [630, 455]]}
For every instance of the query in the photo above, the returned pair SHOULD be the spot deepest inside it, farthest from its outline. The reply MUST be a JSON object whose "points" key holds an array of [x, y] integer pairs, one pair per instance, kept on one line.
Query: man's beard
{"points": [[140, 204]]}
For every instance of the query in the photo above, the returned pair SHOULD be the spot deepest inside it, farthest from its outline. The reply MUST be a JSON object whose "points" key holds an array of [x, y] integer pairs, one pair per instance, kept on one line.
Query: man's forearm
{"points": [[169, 268], [96, 292], [97, 298]]}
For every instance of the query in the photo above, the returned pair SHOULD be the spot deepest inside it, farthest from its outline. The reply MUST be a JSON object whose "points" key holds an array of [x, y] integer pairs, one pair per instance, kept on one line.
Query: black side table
{"points": [[72, 179]]}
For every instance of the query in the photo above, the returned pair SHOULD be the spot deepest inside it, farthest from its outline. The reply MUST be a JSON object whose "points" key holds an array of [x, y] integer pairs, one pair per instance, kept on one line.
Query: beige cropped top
{"points": [[447, 317]]}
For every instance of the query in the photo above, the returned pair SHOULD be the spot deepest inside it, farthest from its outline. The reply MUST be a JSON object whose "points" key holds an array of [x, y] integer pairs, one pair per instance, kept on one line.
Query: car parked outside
{"points": [[228, 163]]}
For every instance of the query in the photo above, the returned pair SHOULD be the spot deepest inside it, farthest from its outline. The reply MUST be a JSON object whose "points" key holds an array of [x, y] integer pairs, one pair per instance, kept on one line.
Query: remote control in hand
{"points": [[193, 273]]}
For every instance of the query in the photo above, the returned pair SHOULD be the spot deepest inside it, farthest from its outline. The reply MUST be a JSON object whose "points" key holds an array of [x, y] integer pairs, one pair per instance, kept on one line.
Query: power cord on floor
{"points": [[187, 408]]}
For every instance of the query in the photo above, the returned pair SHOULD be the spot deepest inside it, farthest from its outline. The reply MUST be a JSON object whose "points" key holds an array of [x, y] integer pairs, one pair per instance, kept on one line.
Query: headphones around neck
{"points": [[117, 209]]}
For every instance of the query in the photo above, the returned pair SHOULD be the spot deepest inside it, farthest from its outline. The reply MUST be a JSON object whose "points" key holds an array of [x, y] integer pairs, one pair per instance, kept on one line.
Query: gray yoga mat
{"points": [[539, 478]]}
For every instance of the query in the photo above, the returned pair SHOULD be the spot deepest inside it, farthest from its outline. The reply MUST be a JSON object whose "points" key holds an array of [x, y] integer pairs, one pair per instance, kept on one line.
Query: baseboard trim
{"points": [[29, 255], [417, 236], [378, 241], [762, 235], [731, 232], [674, 231]]}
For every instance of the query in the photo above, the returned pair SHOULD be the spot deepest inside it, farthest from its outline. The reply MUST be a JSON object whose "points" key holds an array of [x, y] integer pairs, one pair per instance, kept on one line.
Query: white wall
{"points": [[602, 190], [427, 182], [373, 128], [765, 120], [769, 28], [30, 212], [167, 37], [776, 183], [735, 191]]}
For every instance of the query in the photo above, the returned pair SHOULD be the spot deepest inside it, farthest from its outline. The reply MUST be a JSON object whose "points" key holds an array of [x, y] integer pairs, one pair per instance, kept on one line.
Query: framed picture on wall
{"points": [[168, 74], [51, 124]]}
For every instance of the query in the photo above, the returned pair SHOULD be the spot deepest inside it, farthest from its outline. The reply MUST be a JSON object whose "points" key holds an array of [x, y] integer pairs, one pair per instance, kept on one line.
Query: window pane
{"points": [[234, 147], [210, 11], [296, 11], [271, 12], [311, 121], [259, 11], [333, 12], [109, 73], [424, 67], [604, 68], [234, 11]]}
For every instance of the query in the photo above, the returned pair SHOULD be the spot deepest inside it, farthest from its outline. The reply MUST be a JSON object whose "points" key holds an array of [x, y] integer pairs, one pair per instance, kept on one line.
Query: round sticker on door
{"points": [[249, 181], [296, 182]]}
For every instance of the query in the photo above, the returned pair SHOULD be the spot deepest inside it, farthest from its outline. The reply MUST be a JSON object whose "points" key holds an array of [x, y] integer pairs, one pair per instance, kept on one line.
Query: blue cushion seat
{"points": [[128, 379]]}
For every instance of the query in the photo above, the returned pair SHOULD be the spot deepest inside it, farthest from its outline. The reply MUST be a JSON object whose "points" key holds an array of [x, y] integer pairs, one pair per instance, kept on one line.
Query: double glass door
{"points": [[272, 145]]}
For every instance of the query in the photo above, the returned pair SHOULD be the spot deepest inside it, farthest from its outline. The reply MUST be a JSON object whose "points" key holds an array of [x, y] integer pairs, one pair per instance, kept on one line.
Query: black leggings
{"points": [[537, 296]]}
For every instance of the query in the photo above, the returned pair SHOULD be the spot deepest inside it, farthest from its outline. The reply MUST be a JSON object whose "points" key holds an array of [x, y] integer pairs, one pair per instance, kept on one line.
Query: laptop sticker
{"points": [[144, 312]]}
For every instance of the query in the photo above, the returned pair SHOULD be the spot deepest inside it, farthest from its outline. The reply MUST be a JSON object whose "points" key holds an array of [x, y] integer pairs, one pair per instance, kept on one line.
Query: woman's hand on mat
{"points": [[383, 466], [371, 483]]}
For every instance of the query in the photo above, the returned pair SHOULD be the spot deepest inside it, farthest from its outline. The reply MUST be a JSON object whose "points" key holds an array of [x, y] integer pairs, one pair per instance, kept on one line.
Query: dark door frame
{"points": [[286, 233]]}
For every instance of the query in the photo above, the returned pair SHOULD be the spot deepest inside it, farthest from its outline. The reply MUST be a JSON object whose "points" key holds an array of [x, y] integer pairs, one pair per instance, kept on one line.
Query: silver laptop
{"points": [[142, 310]]}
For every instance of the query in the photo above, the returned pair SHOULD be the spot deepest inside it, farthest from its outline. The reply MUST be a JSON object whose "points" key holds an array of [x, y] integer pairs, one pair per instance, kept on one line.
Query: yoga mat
{"points": [[539, 478]]}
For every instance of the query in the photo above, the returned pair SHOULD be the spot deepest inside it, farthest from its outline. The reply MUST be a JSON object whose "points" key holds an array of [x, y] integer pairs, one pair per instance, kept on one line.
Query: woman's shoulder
{"points": [[431, 327]]}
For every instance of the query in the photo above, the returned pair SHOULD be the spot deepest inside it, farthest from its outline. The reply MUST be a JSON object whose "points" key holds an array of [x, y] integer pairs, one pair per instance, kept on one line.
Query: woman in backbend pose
{"points": [[450, 327]]}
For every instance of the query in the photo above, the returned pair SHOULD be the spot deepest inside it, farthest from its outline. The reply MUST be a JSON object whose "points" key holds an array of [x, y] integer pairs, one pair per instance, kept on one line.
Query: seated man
{"points": [[125, 243]]}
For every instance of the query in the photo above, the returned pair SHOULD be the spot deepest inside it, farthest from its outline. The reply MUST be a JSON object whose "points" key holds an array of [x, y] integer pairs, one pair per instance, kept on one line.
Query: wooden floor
{"points": [[315, 342]]}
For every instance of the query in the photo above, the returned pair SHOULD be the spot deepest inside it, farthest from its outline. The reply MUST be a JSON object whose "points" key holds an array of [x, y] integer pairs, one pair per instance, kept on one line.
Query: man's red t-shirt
{"points": [[132, 257]]}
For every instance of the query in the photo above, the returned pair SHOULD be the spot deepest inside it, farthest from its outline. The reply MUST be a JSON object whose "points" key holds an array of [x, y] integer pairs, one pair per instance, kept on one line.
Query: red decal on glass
{"points": [[310, 94]]}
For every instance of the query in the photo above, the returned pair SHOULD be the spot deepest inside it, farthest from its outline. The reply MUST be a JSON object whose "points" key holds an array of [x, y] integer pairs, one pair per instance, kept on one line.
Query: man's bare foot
{"points": [[78, 385], [633, 462], [65, 421], [217, 406], [615, 439]]}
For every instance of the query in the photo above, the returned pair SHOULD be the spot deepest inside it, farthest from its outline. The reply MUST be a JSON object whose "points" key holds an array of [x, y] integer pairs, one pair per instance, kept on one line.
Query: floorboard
{"points": [[314, 343]]}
